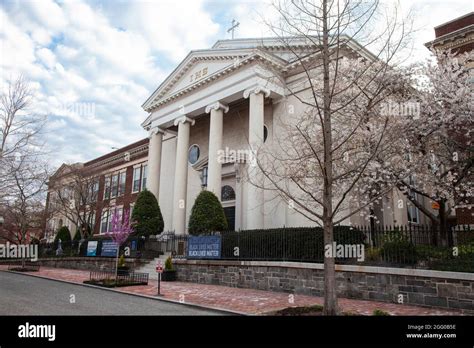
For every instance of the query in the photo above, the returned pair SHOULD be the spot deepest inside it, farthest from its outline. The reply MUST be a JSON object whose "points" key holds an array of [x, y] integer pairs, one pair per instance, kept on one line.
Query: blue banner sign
{"points": [[204, 247], [109, 248], [92, 248]]}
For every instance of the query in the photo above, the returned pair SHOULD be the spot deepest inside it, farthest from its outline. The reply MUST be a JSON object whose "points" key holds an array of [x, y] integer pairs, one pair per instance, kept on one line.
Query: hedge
{"points": [[297, 244]]}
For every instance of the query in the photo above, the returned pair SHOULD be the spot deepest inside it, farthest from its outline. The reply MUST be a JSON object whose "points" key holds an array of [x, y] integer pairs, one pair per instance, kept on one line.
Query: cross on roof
{"points": [[233, 27]]}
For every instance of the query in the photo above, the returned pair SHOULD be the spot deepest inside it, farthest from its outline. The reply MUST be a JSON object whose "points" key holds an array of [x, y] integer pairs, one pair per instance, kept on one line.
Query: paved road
{"points": [[25, 295]]}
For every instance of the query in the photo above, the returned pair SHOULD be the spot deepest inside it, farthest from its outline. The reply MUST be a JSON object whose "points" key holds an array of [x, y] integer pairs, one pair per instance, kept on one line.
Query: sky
{"points": [[92, 64]]}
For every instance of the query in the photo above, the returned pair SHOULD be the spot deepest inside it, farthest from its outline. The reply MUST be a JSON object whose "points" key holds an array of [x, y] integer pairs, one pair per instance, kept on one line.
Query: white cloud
{"points": [[115, 53]]}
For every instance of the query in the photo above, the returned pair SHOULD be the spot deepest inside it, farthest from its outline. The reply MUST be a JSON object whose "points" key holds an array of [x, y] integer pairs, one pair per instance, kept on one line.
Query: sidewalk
{"points": [[240, 300]]}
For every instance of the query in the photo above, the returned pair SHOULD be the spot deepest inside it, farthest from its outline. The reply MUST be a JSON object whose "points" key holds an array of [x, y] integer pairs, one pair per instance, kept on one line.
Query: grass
{"points": [[379, 312]]}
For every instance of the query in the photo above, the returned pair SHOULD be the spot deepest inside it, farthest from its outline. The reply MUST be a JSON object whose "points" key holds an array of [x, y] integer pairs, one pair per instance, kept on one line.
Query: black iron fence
{"points": [[122, 278], [390, 246], [420, 246]]}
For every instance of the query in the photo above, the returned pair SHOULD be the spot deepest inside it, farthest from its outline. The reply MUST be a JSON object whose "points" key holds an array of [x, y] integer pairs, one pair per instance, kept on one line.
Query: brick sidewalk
{"points": [[246, 301]]}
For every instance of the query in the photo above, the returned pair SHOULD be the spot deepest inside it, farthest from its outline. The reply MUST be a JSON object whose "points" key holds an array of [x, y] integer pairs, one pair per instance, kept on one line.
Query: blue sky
{"points": [[93, 63]]}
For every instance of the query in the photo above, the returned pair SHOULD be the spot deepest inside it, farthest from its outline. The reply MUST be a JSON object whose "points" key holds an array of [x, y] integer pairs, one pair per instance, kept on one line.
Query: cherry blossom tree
{"points": [[440, 152], [119, 233]]}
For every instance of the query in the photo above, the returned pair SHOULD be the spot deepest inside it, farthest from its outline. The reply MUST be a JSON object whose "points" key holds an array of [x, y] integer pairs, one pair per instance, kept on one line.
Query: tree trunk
{"points": [[330, 296], [445, 231]]}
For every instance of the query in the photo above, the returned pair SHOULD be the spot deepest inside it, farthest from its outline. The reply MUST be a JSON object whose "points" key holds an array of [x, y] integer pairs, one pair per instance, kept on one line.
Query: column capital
{"points": [[184, 119], [256, 90], [217, 106], [154, 131]]}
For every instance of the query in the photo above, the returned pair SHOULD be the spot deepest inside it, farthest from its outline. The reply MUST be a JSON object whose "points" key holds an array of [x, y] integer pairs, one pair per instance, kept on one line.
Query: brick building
{"points": [[113, 180]]}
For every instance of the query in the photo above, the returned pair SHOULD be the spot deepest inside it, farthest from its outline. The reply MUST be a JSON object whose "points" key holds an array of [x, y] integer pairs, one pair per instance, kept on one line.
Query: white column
{"points": [[255, 198], [154, 161], [214, 176], [181, 174]]}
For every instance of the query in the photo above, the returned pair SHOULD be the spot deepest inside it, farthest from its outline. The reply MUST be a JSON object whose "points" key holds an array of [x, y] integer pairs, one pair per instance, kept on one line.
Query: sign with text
{"points": [[92, 248], [204, 247], [109, 248]]}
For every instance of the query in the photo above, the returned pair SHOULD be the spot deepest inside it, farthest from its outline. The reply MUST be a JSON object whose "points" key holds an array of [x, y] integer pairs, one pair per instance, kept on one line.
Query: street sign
{"points": [[159, 267], [159, 270]]}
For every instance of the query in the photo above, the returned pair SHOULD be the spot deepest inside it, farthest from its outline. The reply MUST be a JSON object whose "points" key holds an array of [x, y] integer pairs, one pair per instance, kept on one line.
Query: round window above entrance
{"points": [[193, 154]]}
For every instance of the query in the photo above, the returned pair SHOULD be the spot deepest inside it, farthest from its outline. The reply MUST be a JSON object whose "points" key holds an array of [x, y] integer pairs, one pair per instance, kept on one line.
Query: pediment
{"points": [[201, 67]]}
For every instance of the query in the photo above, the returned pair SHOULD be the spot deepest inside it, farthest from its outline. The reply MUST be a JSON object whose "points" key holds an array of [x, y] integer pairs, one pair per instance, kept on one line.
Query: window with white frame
{"points": [[121, 184], [139, 177], [94, 190], [107, 187], [107, 217], [144, 174], [114, 186], [104, 221], [136, 178]]}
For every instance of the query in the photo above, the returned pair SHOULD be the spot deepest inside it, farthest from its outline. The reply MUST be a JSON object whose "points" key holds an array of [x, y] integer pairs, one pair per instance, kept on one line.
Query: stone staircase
{"points": [[150, 267]]}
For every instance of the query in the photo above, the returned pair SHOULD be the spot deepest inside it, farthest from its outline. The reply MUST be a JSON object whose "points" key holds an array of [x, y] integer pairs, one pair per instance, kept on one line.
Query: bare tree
{"points": [[24, 209], [73, 194], [19, 130], [327, 162]]}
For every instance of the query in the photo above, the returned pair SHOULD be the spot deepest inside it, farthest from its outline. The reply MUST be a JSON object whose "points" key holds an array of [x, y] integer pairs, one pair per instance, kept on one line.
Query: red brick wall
{"points": [[455, 25]]}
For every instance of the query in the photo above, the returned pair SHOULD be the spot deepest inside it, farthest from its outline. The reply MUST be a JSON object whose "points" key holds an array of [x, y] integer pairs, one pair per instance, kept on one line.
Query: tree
{"points": [[146, 216], [440, 147], [64, 234], [207, 214], [326, 165], [23, 206], [73, 193], [119, 234], [19, 131]]}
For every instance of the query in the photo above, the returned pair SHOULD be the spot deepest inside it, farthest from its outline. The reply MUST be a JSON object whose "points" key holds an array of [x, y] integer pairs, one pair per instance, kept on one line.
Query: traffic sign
{"points": [[159, 267]]}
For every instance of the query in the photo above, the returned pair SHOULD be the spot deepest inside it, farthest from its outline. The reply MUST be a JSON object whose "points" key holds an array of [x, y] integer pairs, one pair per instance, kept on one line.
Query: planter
{"points": [[123, 270], [168, 275]]}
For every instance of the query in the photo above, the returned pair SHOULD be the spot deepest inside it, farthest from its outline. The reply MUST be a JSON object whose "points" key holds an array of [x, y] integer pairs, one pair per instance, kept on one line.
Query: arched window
{"points": [[227, 193], [193, 154]]}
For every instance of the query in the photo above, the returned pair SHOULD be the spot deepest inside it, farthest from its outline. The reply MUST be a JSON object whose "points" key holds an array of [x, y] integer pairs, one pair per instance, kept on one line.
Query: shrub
{"points": [[372, 254], [207, 214], [121, 261], [291, 244], [399, 251], [146, 216], [63, 234], [77, 236], [169, 264], [379, 312]]}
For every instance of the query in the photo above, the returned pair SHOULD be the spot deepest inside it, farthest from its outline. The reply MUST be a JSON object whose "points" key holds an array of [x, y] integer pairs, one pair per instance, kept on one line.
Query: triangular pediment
{"points": [[200, 67], [203, 66]]}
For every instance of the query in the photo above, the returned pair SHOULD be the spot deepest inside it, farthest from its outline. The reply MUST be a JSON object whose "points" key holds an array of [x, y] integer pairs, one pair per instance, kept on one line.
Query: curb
{"points": [[193, 305]]}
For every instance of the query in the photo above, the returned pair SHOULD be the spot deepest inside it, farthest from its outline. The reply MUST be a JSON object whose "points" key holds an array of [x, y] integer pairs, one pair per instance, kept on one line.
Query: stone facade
{"points": [[83, 263], [409, 286]]}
